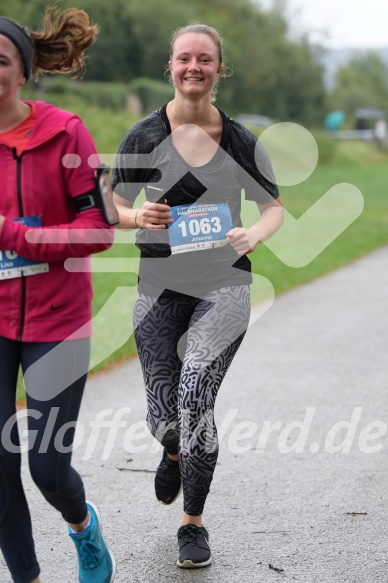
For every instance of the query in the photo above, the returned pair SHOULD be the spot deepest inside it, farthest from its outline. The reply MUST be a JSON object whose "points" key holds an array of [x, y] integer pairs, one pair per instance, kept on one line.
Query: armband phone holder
{"points": [[101, 197]]}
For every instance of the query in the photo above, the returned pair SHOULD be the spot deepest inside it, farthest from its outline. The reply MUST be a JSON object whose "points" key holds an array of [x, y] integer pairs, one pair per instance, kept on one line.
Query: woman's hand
{"points": [[243, 240], [1, 222], [246, 240], [153, 215]]}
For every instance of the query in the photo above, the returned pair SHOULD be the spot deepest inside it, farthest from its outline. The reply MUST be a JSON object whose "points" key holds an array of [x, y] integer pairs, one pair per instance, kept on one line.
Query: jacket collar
{"points": [[50, 121]]}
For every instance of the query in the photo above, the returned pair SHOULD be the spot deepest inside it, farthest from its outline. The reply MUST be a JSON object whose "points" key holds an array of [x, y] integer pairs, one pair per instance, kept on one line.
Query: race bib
{"points": [[199, 226], [12, 265]]}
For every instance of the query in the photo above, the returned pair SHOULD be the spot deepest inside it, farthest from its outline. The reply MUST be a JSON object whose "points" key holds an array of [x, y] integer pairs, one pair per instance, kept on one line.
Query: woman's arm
{"points": [[152, 215], [85, 235], [246, 240], [62, 235]]}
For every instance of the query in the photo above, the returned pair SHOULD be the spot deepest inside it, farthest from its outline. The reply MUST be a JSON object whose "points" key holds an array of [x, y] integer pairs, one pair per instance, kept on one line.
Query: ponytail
{"points": [[59, 47]]}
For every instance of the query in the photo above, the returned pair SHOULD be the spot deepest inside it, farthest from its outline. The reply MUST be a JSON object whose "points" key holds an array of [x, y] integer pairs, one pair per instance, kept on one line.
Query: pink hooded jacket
{"points": [[49, 306]]}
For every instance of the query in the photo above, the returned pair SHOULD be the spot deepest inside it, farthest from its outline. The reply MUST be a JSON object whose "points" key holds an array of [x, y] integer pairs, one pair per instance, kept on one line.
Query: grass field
{"points": [[366, 233], [114, 272]]}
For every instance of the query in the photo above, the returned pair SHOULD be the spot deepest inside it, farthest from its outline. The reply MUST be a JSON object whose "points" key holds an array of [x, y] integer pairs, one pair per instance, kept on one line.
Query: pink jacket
{"points": [[50, 306]]}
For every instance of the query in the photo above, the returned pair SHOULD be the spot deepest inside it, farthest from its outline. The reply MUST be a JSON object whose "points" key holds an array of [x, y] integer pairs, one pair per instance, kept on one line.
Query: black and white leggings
{"points": [[186, 346]]}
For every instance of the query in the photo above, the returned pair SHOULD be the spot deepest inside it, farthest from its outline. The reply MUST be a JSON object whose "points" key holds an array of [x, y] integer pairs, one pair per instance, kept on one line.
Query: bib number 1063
{"points": [[200, 227]]}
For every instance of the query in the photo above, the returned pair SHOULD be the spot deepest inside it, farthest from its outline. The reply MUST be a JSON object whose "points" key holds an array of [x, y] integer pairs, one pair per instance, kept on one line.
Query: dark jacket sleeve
{"points": [[133, 164], [257, 175]]}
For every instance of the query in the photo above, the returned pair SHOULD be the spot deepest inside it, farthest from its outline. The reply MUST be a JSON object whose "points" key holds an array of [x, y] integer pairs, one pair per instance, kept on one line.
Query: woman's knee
{"points": [[167, 433], [44, 475]]}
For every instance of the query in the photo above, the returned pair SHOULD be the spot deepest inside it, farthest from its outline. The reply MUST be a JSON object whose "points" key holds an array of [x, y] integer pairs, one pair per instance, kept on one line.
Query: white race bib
{"points": [[199, 226], [12, 265]]}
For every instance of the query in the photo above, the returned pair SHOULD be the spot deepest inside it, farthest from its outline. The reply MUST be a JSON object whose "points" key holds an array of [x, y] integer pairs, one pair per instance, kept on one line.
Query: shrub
{"points": [[327, 146], [95, 93], [152, 93]]}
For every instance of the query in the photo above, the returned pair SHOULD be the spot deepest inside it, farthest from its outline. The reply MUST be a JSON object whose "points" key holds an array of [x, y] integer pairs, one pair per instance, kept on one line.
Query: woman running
{"points": [[193, 306], [45, 311]]}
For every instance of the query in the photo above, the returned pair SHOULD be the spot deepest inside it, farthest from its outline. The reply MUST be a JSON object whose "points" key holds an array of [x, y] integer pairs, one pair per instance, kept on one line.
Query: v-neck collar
{"points": [[223, 142]]}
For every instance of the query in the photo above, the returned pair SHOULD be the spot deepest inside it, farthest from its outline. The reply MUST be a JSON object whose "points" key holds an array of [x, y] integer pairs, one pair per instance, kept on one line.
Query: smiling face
{"points": [[195, 64], [11, 71]]}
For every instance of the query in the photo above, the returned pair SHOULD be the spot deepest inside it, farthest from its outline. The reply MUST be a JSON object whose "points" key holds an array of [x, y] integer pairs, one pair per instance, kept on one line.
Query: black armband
{"points": [[101, 197]]}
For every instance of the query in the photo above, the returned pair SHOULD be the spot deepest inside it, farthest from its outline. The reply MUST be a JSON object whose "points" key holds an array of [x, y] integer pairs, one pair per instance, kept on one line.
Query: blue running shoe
{"points": [[96, 563]]}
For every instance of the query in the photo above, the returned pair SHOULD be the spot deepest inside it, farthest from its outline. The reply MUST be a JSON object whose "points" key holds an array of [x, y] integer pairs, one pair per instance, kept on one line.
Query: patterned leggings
{"points": [[186, 346]]}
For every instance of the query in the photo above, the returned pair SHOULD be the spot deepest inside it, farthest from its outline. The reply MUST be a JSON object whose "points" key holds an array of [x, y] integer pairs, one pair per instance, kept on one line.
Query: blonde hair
{"points": [[199, 28]]}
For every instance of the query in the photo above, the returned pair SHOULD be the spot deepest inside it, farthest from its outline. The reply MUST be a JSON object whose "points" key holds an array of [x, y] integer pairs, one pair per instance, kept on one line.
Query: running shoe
{"points": [[168, 483], [193, 545], [96, 563]]}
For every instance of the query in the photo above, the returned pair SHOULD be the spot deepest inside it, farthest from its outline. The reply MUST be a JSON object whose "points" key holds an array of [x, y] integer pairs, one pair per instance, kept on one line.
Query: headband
{"points": [[21, 40]]}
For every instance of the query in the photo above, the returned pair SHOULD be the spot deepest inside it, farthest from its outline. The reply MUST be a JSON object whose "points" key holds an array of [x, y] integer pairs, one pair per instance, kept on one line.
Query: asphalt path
{"points": [[300, 488]]}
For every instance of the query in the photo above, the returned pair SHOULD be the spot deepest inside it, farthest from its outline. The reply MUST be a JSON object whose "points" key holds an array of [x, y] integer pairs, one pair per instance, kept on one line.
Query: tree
{"points": [[362, 81], [272, 74]]}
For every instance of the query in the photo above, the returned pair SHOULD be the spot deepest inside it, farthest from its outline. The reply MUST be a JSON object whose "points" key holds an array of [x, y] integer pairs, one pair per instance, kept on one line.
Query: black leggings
{"points": [[186, 346], [50, 442]]}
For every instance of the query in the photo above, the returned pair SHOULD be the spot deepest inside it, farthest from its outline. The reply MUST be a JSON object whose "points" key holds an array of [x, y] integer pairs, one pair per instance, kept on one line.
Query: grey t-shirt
{"points": [[147, 156]]}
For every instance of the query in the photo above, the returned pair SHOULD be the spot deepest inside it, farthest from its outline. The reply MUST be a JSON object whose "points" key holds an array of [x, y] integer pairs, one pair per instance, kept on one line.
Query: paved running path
{"points": [[318, 356]]}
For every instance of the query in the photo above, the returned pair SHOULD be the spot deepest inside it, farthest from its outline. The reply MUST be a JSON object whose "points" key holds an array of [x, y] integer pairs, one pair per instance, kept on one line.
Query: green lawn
{"points": [[115, 280], [366, 233]]}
